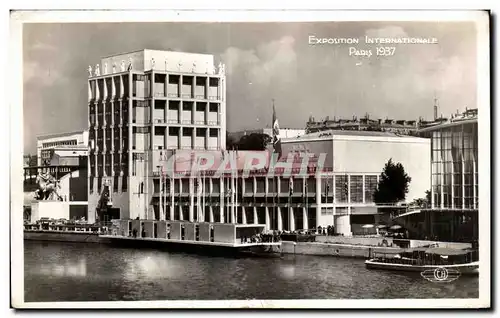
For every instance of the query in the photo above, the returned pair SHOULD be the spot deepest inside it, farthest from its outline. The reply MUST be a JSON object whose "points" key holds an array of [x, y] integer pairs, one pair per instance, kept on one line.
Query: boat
{"points": [[427, 259], [199, 237], [62, 230]]}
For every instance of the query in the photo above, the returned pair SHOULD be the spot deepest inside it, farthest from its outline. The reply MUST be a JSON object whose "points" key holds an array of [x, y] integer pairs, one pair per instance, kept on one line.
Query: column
{"points": [[191, 200], [305, 221], [172, 195], [255, 216], [280, 221], [364, 196], [243, 215], [475, 204], [222, 198], [334, 189], [165, 87], [181, 213], [211, 216], [291, 218], [207, 80], [318, 199], [268, 219]]}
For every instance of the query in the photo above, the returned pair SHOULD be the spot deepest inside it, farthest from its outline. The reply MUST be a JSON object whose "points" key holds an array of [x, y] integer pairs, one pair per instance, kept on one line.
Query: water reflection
{"points": [[67, 269], [82, 272]]}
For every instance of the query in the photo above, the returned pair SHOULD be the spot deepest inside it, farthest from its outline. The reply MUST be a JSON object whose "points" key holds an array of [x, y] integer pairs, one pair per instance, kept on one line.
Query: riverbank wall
{"points": [[83, 237], [338, 250]]}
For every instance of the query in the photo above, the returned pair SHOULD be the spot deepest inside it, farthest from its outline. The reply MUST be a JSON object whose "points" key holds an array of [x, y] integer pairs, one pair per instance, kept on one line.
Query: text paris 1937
{"points": [[377, 51]]}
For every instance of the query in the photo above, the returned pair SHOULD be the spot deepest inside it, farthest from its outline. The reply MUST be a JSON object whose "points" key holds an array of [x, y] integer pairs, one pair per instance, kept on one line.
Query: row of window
{"points": [[71, 142]]}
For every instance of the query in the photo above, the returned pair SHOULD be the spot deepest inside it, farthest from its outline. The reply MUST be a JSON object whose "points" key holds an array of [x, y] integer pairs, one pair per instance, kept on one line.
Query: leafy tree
{"points": [[393, 184], [254, 141], [230, 142]]}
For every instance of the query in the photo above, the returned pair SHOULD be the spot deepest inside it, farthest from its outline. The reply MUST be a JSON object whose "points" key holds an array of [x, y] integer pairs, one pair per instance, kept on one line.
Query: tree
{"points": [[254, 141], [230, 142], [393, 184]]}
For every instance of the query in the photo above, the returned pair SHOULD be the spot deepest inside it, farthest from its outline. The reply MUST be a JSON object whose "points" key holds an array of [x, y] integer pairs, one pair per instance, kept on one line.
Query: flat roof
{"points": [[330, 134], [449, 124], [144, 50], [62, 134]]}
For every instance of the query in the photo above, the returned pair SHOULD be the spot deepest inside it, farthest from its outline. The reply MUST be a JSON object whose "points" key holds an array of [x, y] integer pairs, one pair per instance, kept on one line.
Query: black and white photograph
{"points": [[191, 159]]}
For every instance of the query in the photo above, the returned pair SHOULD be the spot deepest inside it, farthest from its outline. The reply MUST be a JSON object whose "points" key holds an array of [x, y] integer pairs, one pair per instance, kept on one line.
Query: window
{"points": [[370, 187], [357, 189], [341, 188]]}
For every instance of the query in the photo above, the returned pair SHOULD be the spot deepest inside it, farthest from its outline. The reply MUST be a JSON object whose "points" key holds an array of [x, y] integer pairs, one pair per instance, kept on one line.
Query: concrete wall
{"points": [[175, 231], [62, 237], [49, 209], [148, 228], [162, 229], [330, 249], [413, 153], [374, 241], [189, 234], [136, 224], [124, 228], [204, 232], [369, 241], [224, 233]]}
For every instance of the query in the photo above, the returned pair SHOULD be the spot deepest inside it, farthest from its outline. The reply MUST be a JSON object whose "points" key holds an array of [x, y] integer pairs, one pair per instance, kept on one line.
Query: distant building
{"points": [[62, 148], [30, 161], [397, 126], [64, 157], [284, 132]]}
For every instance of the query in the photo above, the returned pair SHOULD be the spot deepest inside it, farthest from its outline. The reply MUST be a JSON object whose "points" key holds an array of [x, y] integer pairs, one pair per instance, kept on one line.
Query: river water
{"points": [[92, 272]]}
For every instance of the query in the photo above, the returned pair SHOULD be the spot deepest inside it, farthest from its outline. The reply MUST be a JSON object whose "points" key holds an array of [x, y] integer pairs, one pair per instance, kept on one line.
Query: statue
{"points": [[194, 67], [97, 71], [179, 65], [123, 66], [90, 71], [114, 67], [152, 63], [47, 187], [105, 69], [220, 68], [130, 64]]}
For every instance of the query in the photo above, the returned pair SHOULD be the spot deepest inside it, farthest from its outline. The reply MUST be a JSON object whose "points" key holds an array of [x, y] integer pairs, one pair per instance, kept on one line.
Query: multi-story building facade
{"points": [[341, 194], [454, 176], [64, 144], [142, 106]]}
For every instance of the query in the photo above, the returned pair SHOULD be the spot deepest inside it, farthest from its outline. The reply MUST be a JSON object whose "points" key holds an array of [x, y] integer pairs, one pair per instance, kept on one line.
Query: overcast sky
{"points": [[263, 61]]}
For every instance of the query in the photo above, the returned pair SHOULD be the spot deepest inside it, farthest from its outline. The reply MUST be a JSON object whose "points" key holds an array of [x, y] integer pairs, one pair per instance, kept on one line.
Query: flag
{"points": [[276, 134]]}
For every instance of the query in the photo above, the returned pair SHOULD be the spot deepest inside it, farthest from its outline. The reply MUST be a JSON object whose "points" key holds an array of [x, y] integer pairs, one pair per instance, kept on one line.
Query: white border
{"points": [[15, 103]]}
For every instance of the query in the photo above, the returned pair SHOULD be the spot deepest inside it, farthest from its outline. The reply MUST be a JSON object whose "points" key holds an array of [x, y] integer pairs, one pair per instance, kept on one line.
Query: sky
{"points": [[264, 61]]}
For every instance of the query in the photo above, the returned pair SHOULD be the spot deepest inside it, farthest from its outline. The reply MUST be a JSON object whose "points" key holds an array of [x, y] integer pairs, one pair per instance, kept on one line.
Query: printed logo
{"points": [[441, 275]]}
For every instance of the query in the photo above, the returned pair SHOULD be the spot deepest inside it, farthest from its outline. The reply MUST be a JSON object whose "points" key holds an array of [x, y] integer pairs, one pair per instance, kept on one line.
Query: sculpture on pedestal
{"points": [[123, 66], [114, 67], [152, 63], [97, 71], [90, 71], [47, 187]]}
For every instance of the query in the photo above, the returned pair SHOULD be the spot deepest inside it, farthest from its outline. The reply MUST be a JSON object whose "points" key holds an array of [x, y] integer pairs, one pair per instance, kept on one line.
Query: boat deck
{"points": [[200, 243]]}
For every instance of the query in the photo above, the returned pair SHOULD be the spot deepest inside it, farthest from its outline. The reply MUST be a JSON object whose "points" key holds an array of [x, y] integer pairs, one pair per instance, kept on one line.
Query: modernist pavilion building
{"points": [[147, 106], [454, 170]]}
